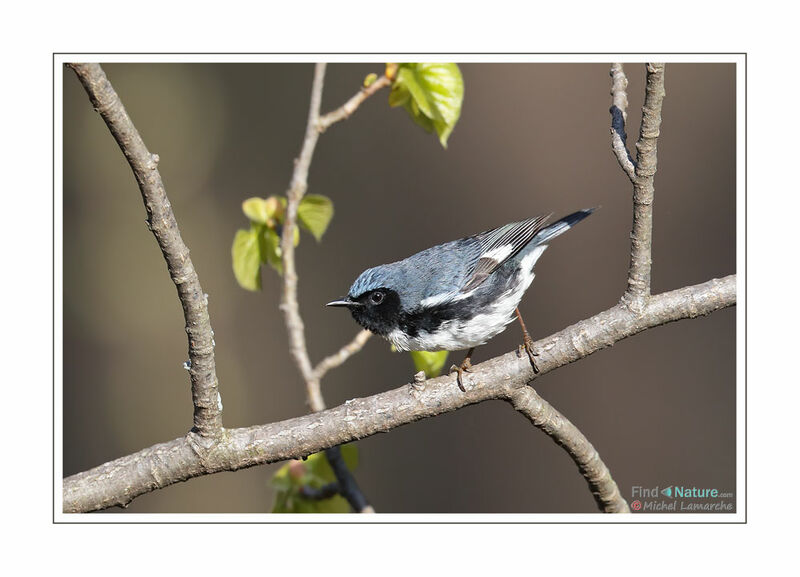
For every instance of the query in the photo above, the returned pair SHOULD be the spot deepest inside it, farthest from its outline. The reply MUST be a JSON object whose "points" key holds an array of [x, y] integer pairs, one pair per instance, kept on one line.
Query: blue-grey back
{"points": [[448, 267], [442, 268]]}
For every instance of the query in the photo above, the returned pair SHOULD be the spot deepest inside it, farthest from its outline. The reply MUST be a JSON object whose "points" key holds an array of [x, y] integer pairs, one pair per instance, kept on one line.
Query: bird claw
{"points": [[527, 346], [465, 367]]}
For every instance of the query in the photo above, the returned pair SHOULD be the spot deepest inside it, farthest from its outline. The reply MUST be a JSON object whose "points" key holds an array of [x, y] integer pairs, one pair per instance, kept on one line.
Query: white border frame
{"points": [[741, 308]]}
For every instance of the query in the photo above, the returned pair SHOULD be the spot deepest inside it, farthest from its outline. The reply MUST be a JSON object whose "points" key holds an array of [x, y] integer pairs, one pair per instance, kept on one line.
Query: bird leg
{"points": [[528, 343], [466, 367]]}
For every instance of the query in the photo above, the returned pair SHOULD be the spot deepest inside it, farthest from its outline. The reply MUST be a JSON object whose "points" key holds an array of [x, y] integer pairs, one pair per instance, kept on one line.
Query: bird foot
{"points": [[527, 346], [465, 367]]}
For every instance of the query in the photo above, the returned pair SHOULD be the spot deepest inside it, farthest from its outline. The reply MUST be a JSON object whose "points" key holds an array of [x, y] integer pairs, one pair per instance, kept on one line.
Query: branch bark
{"points": [[643, 190], [119, 482], [161, 221]]}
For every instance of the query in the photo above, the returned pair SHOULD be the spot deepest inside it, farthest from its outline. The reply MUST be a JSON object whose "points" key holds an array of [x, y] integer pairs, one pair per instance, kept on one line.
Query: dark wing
{"points": [[499, 245]]}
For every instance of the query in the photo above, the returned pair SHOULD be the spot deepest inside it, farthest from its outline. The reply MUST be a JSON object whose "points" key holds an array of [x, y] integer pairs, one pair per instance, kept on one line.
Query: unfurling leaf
{"points": [[256, 210], [430, 362], [315, 472], [315, 213], [431, 93], [263, 210], [370, 79], [247, 259]]}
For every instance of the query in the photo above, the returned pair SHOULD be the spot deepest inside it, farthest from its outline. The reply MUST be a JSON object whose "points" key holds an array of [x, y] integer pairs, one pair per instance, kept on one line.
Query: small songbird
{"points": [[456, 295]]}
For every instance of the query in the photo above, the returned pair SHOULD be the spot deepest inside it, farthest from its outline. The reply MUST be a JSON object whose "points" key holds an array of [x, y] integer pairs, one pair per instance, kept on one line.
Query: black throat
{"points": [[380, 319]]}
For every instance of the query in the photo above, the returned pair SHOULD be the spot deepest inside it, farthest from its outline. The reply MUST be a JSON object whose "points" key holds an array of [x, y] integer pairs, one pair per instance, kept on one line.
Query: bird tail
{"points": [[561, 226]]}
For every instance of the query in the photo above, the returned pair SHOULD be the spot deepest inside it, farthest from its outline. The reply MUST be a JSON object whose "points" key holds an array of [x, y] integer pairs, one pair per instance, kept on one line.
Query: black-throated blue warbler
{"points": [[456, 295]]}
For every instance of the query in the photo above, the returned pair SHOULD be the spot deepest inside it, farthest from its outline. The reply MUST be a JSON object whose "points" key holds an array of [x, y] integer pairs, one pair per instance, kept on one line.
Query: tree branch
{"points": [[349, 107], [119, 482], [619, 115], [348, 487], [325, 492], [289, 304], [340, 356], [545, 417], [643, 190], [161, 221]]}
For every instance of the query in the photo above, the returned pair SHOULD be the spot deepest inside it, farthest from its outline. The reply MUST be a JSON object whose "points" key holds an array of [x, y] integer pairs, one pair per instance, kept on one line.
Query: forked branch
{"points": [[119, 482], [641, 173]]}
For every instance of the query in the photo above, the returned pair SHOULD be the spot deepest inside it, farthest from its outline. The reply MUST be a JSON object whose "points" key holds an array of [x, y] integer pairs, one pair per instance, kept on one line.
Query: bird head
{"points": [[374, 300]]}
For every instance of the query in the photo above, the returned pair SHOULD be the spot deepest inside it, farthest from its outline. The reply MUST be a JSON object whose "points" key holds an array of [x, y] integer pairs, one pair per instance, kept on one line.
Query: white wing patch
{"points": [[499, 254]]}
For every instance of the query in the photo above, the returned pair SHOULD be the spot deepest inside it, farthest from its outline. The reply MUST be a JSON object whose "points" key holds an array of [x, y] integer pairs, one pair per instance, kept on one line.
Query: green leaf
{"points": [[314, 472], [270, 244], [320, 468], [263, 210], [256, 210], [246, 259], [370, 79], [350, 455], [432, 94], [430, 362], [315, 213]]}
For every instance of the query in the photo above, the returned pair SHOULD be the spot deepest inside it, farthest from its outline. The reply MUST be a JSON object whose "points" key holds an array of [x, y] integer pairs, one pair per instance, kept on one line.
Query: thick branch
{"points": [[120, 481], [643, 190], [161, 221], [562, 431]]}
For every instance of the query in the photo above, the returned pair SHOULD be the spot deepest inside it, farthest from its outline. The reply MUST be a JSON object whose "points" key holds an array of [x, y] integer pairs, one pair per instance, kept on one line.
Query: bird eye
{"points": [[376, 297]]}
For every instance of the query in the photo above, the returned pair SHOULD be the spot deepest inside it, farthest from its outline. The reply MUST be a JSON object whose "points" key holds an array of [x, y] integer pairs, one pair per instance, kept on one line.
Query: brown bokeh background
{"points": [[533, 138]]}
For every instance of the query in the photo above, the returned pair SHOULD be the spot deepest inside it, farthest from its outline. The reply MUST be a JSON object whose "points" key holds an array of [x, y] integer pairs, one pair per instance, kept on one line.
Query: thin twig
{"points": [[643, 191], [325, 492], [619, 115], [289, 304], [349, 107], [161, 221], [340, 356], [545, 417], [119, 482]]}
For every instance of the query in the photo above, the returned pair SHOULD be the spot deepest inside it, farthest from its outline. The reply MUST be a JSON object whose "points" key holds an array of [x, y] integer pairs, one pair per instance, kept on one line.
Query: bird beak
{"points": [[346, 302]]}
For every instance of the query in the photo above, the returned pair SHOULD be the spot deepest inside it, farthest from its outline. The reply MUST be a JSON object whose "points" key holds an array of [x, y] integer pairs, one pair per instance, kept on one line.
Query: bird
{"points": [[457, 295]]}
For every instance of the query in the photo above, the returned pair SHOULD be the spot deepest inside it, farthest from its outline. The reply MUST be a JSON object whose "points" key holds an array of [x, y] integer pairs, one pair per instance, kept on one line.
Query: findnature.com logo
{"points": [[681, 498]]}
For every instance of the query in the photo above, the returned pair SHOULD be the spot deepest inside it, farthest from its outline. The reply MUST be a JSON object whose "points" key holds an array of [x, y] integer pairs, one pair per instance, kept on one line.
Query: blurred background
{"points": [[532, 138]]}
